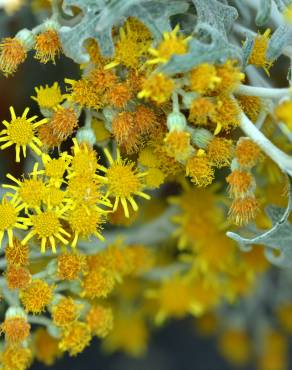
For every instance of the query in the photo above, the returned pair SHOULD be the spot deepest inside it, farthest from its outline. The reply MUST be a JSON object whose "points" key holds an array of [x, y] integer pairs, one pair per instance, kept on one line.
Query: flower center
{"points": [[31, 192], [20, 131], [46, 224], [8, 216], [122, 180]]}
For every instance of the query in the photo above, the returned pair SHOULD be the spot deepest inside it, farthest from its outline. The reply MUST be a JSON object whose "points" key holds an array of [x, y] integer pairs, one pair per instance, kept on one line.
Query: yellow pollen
{"points": [[46, 224], [122, 180], [20, 131], [8, 216]]}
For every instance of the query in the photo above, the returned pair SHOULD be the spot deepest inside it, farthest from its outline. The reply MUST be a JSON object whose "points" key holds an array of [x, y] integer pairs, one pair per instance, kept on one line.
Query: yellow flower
{"points": [[17, 254], [158, 88], [29, 192], [131, 46], [172, 44], [36, 296], [20, 131], [48, 97], [123, 182], [243, 210], [200, 170], [135, 342], [258, 55], [16, 358], [75, 337], [46, 225], [47, 46], [283, 112], [65, 312], [55, 168], [100, 320], [85, 223], [174, 298], [70, 266], [13, 53], [203, 78], [16, 329], [9, 219]]}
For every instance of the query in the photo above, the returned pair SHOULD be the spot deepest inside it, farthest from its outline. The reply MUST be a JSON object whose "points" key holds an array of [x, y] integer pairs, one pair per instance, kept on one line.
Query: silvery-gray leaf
{"points": [[99, 16], [281, 38], [218, 50], [287, 2], [216, 14], [264, 12], [247, 49]]}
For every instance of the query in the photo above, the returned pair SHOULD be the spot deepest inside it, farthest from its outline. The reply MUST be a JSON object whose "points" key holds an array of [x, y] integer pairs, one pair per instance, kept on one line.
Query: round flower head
{"points": [[100, 320], [48, 97], [28, 192], [247, 152], [36, 296], [200, 170], [85, 223], [63, 122], [20, 131], [243, 210], [17, 277], [17, 253], [65, 312], [158, 88], [123, 182], [75, 338], [47, 46], [46, 226], [70, 266], [16, 329], [12, 54], [16, 358], [172, 44], [9, 219]]}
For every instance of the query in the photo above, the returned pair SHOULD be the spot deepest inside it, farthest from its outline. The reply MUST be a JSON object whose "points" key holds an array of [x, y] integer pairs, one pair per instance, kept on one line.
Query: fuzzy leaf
{"points": [[199, 52], [264, 12], [216, 14], [280, 39], [278, 238], [99, 16]]}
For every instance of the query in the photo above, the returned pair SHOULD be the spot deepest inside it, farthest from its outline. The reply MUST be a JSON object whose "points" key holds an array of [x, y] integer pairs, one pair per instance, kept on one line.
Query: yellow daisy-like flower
{"points": [[48, 97], [170, 45], [85, 223], [258, 55], [28, 192], [158, 88], [9, 219], [123, 181], [20, 131], [55, 168], [46, 225]]}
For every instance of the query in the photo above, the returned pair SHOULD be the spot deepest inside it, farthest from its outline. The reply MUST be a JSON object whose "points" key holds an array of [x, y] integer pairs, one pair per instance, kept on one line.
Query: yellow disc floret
{"points": [[75, 338], [36, 296], [172, 44]]}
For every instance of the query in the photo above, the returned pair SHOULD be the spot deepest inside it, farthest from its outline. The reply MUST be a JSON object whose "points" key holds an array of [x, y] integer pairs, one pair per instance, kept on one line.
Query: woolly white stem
{"points": [[283, 160], [262, 92]]}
